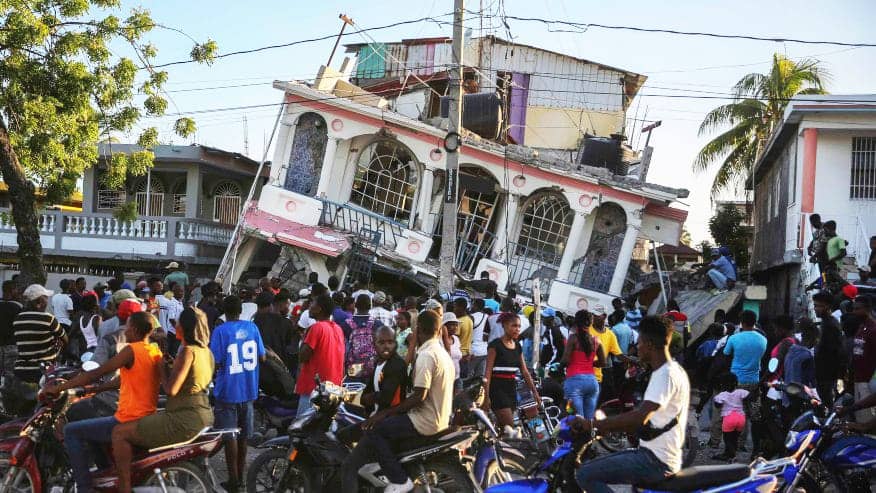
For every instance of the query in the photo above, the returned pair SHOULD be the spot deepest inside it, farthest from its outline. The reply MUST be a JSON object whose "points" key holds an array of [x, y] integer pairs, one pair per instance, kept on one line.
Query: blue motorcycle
{"points": [[827, 458], [557, 473]]}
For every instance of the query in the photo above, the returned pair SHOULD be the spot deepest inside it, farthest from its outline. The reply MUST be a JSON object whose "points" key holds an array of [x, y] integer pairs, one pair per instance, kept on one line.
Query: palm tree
{"points": [[758, 105]]}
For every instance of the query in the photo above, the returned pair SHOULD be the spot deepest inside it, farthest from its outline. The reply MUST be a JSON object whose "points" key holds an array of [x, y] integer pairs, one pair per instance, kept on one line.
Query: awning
{"points": [[317, 239]]}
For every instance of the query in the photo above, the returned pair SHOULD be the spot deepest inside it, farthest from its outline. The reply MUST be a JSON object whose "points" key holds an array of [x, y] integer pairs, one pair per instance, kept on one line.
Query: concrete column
{"points": [[624, 257], [424, 204], [328, 161], [89, 190], [505, 226], [575, 234], [193, 191]]}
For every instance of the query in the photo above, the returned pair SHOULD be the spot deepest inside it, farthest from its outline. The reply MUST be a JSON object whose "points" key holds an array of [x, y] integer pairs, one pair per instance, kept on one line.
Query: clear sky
{"points": [[674, 64]]}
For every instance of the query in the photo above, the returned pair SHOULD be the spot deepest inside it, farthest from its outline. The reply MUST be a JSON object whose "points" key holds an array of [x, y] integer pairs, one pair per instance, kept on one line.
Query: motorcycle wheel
{"points": [[271, 468], [20, 482], [442, 476], [185, 475]]}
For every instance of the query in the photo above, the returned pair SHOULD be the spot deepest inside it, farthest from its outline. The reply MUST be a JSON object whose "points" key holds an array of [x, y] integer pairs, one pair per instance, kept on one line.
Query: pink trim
{"points": [[810, 147], [663, 211]]}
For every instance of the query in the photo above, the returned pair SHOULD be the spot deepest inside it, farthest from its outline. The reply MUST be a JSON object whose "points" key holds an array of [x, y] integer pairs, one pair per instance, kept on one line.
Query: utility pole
{"points": [[345, 21], [451, 145]]}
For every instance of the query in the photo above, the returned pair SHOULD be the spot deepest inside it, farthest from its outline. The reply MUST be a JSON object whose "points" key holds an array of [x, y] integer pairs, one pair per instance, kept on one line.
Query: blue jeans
{"points": [[80, 437], [583, 391], [632, 466], [234, 415], [718, 279], [304, 405]]}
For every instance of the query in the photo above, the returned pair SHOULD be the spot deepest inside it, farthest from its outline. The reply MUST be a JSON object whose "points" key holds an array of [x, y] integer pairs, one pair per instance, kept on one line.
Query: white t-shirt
{"points": [[479, 325], [305, 321], [62, 305], [363, 291], [496, 329], [670, 389], [168, 309], [456, 354]]}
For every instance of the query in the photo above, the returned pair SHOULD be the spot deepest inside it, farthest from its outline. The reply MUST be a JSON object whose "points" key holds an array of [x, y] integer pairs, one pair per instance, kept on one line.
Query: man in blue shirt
{"points": [[237, 348], [722, 272], [747, 347]]}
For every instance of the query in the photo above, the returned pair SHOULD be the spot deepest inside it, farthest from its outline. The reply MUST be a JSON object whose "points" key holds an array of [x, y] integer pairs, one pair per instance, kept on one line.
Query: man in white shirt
{"points": [[660, 421], [480, 335], [380, 313], [62, 304]]}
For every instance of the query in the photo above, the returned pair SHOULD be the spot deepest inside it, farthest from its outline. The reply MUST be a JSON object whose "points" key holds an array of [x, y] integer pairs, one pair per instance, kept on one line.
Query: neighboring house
{"points": [[195, 197], [356, 191], [551, 99], [672, 256], [742, 206], [820, 159]]}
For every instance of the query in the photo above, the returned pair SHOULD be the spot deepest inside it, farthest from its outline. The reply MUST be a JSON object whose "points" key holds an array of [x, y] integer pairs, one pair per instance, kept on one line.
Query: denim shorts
{"points": [[234, 415]]}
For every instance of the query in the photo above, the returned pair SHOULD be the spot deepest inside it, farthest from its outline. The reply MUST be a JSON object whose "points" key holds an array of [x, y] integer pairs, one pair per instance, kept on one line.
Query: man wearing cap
{"points": [[721, 272], [103, 296], [38, 335], [176, 276], [112, 323], [380, 313]]}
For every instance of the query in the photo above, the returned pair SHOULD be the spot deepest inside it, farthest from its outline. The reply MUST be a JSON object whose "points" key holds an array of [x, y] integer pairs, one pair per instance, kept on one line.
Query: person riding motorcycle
{"points": [[138, 364], [424, 413], [188, 408], [660, 420]]}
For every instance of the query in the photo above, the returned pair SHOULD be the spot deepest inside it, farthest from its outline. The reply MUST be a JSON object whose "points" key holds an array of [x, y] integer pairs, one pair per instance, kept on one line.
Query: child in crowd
{"points": [[732, 415]]}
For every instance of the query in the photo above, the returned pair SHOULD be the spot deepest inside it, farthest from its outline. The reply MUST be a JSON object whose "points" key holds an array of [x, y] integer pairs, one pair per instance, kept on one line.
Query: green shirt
{"points": [[178, 277], [835, 245]]}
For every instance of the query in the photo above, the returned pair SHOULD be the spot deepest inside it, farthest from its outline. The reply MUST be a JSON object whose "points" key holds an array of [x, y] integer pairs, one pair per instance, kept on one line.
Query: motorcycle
{"points": [[35, 459], [316, 454], [557, 472], [537, 420], [272, 417], [828, 459]]}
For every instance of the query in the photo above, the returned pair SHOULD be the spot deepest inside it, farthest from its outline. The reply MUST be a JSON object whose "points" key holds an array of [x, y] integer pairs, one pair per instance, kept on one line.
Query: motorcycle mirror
{"points": [[794, 389], [599, 414], [86, 357], [773, 365], [90, 365]]}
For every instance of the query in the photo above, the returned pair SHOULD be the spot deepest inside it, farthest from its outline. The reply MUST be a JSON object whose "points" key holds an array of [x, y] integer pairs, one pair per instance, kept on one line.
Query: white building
{"points": [[820, 159], [356, 191]]}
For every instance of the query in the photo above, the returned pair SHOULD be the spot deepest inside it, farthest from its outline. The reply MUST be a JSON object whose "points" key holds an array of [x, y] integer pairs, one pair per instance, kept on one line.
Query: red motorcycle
{"points": [[35, 460]]}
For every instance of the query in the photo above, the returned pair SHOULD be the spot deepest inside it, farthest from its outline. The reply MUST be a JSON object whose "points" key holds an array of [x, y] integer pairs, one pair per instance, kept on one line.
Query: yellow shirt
{"points": [[608, 340], [466, 326]]}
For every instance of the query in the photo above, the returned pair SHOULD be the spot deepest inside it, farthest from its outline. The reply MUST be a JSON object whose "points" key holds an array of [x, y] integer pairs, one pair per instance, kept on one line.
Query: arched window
{"points": [[152, 203], [386, 180], [226, 202], [545, 226], [308, 152], [599, 263]]}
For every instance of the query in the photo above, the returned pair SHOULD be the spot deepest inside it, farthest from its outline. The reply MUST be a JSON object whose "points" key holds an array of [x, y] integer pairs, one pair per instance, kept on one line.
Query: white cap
{"points": [[449, 318], [304, 293], [432, 304], [172, 265], [598, 309], [34, 291]]}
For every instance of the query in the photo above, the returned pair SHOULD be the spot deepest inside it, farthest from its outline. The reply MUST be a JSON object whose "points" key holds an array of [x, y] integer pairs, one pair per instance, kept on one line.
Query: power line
{"points": [[588, 25], [434, 19]]}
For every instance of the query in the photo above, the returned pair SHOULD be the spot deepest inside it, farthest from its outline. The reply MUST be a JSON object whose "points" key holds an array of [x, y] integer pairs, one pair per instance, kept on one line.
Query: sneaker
{"points": [[399, 488]]}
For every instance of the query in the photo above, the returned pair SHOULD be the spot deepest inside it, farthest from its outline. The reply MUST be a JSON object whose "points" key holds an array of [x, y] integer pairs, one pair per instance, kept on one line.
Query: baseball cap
{"points": [[548, 312], [864, 268], [304, 293], [491, 304], [34, 291], [127, 307], [449, 318], [100, 285], [598, 309], [172, 265], [380, 297], [850, 291], [122, 295]]}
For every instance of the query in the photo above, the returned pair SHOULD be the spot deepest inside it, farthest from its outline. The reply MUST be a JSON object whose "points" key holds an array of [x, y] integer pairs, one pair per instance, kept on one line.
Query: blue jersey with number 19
{"points": [[237, 347]]}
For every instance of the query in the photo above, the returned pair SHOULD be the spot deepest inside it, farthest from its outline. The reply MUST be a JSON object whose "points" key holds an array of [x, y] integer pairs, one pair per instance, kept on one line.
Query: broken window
{"points": [[386, 180], [546, 223], [595, 270], [308, 152], [477, 203]]}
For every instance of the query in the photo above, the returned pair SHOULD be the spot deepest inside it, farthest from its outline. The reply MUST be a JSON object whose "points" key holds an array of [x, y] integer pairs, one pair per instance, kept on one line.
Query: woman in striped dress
{"points": [[504, 360]]}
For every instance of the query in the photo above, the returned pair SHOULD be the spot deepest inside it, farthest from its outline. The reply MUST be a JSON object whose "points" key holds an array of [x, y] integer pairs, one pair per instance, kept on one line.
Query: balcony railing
{"points": [[371, 227], [61, 229]]}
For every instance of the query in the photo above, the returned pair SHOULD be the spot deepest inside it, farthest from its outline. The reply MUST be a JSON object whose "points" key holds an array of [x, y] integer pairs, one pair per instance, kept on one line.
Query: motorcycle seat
{"points": [[699, 477], [423, 446]]}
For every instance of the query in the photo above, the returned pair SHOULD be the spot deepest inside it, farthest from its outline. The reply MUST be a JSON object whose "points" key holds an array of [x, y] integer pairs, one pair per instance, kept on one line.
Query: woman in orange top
{"points": [[138, 364]]}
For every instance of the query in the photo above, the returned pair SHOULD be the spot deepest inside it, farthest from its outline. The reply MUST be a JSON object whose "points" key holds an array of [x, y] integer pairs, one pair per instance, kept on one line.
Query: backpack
{"points": [[360, 348]]}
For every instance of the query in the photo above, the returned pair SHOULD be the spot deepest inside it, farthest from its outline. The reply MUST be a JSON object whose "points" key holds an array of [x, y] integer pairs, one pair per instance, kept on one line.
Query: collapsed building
{"points": [[357, 180]]}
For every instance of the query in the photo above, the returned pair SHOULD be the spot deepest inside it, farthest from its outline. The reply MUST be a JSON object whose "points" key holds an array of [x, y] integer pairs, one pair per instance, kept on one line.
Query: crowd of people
{"points": [[211, 353]]}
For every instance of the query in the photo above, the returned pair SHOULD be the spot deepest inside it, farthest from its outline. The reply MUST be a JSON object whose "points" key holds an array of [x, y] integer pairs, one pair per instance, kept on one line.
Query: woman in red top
{"points": [[583, 353]]}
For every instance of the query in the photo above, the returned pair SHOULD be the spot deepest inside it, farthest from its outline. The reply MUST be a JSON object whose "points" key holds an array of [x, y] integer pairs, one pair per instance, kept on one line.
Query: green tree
{"points": [[62, 90], [727, 230], [686, 238], [758, 105]]}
